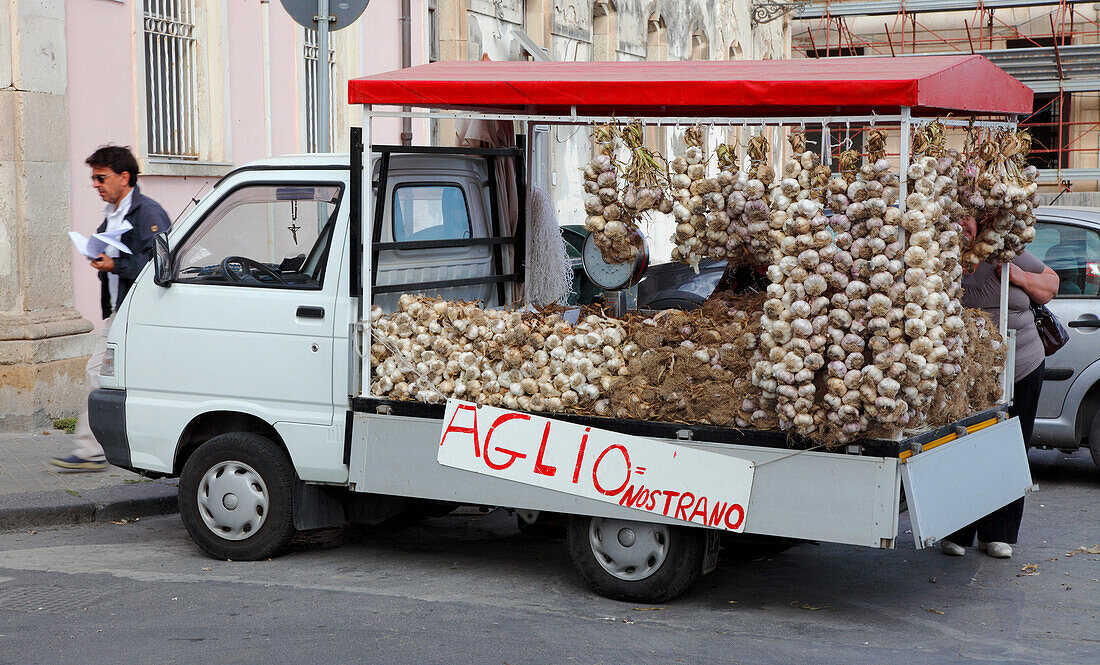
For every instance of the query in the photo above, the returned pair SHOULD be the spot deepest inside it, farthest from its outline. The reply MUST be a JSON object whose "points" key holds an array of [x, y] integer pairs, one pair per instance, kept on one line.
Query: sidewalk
{"points": [[34, 493]]}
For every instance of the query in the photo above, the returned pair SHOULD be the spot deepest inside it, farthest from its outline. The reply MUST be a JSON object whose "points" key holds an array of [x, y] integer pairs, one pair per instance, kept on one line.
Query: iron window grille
{"points": [[170, 72]]}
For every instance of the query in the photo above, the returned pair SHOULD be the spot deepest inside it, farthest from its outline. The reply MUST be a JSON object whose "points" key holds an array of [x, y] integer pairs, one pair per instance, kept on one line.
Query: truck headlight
{"points": [[108, 366]]}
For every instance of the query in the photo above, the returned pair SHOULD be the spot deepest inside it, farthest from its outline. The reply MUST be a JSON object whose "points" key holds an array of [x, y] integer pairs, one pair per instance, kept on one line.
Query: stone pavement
{"points": [[34, 493]]}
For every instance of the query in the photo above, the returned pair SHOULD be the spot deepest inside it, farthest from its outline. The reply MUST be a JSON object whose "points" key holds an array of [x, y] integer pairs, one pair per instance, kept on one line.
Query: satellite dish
{"points": [[345, 11]]}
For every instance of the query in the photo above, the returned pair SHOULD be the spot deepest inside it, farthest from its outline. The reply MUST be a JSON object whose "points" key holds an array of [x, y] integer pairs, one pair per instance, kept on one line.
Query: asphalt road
{"points": [[472, 589]]}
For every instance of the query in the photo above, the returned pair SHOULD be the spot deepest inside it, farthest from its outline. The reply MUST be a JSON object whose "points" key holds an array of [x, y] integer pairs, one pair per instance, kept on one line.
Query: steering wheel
{"points": [[248, 264]]}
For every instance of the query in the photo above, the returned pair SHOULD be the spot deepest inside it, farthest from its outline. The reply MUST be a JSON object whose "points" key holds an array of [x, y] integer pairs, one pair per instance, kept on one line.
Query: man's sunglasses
{"points": [[97, 177]]}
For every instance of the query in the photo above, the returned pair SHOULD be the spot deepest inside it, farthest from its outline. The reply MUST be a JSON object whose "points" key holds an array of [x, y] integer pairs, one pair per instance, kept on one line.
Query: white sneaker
{"points": [[996, 549], [951, 549]]}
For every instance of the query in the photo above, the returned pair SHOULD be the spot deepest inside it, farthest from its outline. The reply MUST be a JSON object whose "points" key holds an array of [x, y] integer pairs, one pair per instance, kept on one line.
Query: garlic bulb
{"points": [[614, 204], [998, 188]]}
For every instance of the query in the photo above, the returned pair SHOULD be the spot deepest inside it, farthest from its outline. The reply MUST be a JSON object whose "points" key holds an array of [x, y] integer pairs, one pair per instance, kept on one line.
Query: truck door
{"points": [[247, 324], [1072, 251]]}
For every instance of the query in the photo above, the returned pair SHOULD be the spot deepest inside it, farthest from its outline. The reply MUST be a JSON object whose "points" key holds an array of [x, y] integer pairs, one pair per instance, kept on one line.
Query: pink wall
{"points": [[99, 44], [101, 40]]}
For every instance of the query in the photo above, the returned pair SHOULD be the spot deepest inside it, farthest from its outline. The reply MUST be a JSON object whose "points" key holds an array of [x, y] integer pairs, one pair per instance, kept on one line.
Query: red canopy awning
{"points": [[966, 84]]}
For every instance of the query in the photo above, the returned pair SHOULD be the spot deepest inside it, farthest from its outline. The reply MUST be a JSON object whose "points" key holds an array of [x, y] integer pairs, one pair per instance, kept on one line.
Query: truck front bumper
{"points": [[107, 418]]}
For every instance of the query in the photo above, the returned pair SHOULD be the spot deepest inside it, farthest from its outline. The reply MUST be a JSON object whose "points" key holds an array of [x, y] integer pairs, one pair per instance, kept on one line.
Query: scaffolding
{"points": [[1056, 52]]}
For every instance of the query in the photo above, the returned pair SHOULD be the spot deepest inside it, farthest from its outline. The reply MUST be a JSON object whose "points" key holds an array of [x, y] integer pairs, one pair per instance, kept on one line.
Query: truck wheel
{"points": [[236, 497], [636, 561]]}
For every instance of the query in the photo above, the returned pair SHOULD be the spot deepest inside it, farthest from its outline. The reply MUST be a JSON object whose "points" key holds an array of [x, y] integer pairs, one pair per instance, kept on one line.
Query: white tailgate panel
{"points": [[959, 482], [810, 495]]}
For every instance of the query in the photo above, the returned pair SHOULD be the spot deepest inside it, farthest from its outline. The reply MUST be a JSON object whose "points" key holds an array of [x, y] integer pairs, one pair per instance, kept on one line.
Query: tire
{"points": [[236, 497], [668, 559], [1094, 440], [685, 304]]}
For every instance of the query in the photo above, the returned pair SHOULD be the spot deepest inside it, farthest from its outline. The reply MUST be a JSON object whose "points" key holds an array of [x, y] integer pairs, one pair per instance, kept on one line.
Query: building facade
{"points": [[194, 87], [601, 30], [1053, 47]]}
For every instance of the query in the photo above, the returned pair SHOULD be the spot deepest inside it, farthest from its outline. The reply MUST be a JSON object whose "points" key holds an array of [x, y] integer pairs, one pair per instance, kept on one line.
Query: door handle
{"points": [[1085, 323], [307, 312]]}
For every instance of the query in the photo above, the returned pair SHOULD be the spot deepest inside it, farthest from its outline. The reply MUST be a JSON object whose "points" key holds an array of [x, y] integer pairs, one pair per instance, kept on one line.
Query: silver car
{"points": [[1068, 240]]}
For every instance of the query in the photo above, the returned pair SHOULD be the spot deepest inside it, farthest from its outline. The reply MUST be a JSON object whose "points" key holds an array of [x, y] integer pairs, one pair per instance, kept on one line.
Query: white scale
{"points": [[614, 278]]}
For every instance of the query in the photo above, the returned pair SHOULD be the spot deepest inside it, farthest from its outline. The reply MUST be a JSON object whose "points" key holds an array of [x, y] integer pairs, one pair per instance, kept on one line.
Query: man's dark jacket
{"points": [[148, 219]]}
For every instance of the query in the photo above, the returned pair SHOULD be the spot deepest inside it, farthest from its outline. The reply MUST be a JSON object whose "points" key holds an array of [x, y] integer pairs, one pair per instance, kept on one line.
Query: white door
{"points": [[247, 323]]}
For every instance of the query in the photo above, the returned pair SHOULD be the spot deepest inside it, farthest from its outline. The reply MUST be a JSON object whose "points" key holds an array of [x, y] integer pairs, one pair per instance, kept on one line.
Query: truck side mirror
{"points": [[162, 261]]}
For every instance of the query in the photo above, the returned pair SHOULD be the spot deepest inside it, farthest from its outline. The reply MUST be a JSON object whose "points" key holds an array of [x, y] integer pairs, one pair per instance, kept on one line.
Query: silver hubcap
{"points": [[630, 551], [233, 500]]}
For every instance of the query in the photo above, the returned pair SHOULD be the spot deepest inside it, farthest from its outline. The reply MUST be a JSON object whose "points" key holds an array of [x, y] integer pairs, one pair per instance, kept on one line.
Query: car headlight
{"points": [[108, 366]]}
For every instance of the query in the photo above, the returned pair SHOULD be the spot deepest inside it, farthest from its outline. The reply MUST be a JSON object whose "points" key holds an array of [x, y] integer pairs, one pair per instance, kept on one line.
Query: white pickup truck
{"points": [[235, 366], [236, 361]]}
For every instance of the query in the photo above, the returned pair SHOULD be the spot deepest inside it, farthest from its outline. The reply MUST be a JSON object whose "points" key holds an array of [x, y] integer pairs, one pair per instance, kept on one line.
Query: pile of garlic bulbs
{"points": [[705, 206], [615, 202], [611, 225], [756, 217], [866, 340], [670, 366], [690, 186], [792, 341], [430, 350], [926, 301], [733, 181], [861, 331], [692, 364], [999, 189]]}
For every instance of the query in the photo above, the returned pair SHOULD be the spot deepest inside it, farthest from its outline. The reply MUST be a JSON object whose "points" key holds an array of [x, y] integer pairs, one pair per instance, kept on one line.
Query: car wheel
{"points": [[1094, 440], [236, 497], [636, 561], [685, 304]]}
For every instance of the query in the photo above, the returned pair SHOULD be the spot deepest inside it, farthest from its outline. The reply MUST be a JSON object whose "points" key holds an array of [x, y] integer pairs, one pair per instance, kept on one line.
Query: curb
{"points": [[59, 508]]}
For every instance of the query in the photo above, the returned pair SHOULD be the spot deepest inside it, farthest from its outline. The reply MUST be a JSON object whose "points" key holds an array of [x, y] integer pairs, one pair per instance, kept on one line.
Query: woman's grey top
{"points": [[982, 289]]}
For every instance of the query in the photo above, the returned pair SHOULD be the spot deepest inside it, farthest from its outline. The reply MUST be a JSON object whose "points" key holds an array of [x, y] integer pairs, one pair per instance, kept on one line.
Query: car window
{"points": [[1074, 253], [430, 212], [262, 235]]}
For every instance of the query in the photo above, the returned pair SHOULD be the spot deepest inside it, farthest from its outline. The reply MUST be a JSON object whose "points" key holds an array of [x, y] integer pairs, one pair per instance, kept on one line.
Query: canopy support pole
{"points": [[1008, 376], [366, 211]]}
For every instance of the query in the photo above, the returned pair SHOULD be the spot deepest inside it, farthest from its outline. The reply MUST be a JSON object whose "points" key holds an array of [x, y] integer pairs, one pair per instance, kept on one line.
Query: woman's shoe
{"points": [[995, 549], [951, 549]]}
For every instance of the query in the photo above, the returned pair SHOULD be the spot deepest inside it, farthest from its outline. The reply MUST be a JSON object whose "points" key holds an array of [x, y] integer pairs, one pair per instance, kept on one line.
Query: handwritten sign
{"points": [[682, 483]]}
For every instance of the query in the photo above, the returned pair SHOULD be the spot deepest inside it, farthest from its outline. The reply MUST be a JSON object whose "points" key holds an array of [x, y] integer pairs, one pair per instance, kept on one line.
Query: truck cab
{"points": [[252, 320]]}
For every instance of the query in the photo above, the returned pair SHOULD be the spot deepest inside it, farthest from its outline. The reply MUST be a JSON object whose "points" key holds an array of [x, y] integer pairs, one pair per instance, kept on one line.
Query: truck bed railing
{"points": [[448, 283], [496, 240]]}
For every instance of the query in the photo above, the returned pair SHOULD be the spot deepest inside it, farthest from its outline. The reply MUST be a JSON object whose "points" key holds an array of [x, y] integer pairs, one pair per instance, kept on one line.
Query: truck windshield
{"points": [[270, 235]]}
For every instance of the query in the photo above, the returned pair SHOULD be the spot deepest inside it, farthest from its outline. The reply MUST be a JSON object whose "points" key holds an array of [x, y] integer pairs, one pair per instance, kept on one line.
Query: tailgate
{"points": [[956, 481]]}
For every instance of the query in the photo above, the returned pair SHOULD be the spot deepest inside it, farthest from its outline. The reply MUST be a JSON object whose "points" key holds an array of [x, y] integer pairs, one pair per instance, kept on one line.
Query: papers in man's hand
{"points": [[98, 243]]}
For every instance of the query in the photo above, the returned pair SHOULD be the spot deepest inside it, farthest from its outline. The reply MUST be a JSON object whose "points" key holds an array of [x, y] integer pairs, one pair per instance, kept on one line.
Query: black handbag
{"points": [[1050, 329]]}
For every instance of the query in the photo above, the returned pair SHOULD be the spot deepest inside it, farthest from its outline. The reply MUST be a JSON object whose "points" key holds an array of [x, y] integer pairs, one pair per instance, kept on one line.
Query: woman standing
{"points": [[1029, 280]]}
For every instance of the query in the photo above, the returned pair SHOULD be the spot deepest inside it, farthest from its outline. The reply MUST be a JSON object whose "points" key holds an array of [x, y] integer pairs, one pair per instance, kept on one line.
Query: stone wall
{"points": [[44, 342]]}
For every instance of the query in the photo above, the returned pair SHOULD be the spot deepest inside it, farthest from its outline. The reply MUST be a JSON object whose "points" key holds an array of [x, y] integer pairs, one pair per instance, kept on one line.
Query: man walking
{"points": [[114, 176]]}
